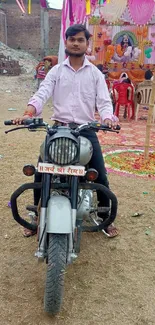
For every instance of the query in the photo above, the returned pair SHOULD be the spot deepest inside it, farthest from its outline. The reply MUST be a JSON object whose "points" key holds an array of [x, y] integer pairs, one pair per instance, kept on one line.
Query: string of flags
{"points": [[22, 7], [48, 4]]}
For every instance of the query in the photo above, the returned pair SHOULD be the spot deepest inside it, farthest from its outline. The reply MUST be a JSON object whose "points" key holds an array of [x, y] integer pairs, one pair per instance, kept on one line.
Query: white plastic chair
{"points": [[142, 97]]}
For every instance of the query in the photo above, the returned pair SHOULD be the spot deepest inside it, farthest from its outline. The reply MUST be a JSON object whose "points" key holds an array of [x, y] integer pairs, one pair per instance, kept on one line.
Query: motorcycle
{"points": [[67, 191]]}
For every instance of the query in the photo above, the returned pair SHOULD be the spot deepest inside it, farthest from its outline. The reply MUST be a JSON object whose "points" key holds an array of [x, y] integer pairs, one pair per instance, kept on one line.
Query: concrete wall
{"points": [[23, 30], [3, 27]]}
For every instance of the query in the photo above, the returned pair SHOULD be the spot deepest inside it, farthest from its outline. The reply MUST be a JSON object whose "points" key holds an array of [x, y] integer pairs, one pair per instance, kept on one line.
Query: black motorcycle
{"points": [[67, 191]]}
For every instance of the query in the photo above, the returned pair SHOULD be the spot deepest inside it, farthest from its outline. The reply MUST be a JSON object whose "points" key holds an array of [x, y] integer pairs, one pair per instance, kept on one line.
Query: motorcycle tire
{"points": [[57, 261]]}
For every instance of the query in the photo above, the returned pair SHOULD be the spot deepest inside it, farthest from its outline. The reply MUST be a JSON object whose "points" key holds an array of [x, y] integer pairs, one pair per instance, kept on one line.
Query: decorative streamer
{"points": [[43, 3], [71, 18], [21, 6], [94, 2], [29, 6], [141, 11], [22, 3], [79, 11], [65, 16], [88, 7]]}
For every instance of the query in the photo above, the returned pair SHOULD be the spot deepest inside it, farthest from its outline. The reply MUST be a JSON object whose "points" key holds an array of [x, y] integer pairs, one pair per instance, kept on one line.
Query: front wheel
{"points": [[57, 259]]}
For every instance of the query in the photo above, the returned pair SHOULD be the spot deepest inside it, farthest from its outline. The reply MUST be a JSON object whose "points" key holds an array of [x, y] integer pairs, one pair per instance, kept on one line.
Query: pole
{"points": [[44, 24], [149, 120]]}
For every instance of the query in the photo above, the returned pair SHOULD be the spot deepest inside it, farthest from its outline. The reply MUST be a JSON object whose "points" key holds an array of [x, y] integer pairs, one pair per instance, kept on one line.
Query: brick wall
{"points": [[23, 31]]}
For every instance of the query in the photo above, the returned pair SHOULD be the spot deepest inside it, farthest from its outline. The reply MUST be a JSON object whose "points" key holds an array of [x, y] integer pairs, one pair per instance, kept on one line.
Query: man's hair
{"points": [[148, 74], [126, 81], [77, 28]]}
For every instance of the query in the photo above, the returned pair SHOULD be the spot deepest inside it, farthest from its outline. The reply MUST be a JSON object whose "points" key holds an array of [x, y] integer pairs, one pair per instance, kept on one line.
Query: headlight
{"points": [[62, 151]]}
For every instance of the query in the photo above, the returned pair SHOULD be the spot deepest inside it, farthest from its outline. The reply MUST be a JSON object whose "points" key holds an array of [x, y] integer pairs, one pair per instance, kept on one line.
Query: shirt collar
{"points": [[85, 63]]}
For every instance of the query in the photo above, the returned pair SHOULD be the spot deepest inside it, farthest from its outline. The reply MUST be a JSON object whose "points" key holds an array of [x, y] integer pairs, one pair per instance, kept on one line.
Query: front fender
{"points": [[59, 215]]}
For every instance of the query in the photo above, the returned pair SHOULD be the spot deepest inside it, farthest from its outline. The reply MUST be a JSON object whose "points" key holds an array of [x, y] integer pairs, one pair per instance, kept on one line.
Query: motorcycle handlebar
{"points": [[9, 122], [38, 122], [35, 121]]}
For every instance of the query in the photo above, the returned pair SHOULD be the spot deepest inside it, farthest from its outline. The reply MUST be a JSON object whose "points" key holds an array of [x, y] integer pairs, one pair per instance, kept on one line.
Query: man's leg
{"points": [[97, 162]]}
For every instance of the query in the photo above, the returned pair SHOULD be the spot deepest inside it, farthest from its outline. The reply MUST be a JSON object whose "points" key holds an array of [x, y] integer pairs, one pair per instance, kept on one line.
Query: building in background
{"points": [[23, 30]]}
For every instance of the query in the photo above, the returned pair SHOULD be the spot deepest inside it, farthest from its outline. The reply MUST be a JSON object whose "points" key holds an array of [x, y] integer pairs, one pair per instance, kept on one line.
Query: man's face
{"points": [[76, 45]]}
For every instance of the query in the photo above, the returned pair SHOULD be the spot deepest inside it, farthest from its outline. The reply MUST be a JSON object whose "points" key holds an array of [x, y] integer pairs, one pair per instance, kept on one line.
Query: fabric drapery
{"points": [[141, 11]]}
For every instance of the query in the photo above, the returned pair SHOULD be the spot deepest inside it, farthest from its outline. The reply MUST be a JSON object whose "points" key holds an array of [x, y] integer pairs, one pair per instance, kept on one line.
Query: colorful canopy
{"points": [[141, 11]]}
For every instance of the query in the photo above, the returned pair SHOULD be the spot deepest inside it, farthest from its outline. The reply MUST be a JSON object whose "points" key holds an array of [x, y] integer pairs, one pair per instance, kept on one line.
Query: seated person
{"points": [[127, 81], [123, 76], [148, 77], [147, 82]]}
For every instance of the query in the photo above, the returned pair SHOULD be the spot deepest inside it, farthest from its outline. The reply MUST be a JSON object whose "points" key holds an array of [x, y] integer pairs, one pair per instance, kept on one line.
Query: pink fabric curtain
{"points": [[79, 11], [141, 11]]}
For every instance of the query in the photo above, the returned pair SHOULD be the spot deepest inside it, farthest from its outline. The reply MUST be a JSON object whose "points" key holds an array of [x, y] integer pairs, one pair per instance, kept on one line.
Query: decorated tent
{"points": [[123, 33]]}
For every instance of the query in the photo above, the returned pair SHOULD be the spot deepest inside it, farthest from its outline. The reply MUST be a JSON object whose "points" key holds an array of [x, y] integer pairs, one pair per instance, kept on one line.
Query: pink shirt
{"points": [[75, 94]]}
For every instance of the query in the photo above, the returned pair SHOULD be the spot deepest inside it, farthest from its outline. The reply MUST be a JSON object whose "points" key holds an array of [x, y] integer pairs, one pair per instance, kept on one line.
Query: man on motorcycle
{"points": [[77, 87]]}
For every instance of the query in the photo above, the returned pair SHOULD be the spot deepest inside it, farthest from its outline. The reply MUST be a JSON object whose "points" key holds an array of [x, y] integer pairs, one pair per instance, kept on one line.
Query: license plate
{"points": [[61, 170]]}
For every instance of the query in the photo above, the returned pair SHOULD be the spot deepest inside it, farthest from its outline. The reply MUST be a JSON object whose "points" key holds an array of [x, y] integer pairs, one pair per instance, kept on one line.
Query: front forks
{"points": [[45, 195], [74, 182]]}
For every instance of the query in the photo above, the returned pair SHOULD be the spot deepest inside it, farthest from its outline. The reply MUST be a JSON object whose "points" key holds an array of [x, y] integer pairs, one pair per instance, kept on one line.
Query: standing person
{"points": [[77, 87]]}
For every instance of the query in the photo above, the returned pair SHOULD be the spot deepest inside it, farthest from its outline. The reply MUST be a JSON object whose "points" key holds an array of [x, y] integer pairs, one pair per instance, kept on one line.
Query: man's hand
{"points": [[19, 120], [29, 113], [112, 123]]}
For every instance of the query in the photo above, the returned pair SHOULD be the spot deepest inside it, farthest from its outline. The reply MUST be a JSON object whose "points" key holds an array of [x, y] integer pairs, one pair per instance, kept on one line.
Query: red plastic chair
{"points": [[125, 98]]}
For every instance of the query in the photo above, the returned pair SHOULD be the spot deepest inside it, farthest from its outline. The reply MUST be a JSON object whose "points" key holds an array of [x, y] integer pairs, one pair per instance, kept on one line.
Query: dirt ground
{"points": [[113, 280]]}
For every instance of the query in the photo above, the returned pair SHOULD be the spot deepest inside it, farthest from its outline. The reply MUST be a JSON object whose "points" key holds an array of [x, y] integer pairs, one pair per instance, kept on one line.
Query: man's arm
{"points": [[45, 91], [36, 103]]}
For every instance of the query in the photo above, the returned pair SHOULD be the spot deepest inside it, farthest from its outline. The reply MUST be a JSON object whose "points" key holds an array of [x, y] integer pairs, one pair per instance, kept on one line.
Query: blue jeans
{"points": [[97, 162]]}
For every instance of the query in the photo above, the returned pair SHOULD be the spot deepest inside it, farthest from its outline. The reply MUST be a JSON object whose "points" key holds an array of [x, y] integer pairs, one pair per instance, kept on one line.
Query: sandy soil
{"points": [[113, 280]]}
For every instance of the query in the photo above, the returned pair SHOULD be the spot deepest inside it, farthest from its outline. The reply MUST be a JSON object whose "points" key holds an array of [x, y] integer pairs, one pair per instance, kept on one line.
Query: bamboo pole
{"points": [[149, 120]]}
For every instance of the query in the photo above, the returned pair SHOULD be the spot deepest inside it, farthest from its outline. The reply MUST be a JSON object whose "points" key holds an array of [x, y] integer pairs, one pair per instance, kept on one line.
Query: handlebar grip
{"points": [[25, 122], [9, 122]]}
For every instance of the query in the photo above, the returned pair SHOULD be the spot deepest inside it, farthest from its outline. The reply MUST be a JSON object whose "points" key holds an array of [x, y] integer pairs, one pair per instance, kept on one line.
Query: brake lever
{"points": [[31, 127], [17, 128]]}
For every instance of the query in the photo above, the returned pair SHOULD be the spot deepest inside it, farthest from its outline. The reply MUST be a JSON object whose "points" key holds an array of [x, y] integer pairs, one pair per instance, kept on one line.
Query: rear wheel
{"points": [[57, 258]]}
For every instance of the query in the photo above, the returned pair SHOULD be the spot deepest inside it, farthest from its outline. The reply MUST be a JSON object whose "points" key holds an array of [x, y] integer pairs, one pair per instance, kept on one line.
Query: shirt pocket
{"points": [[88, 91], [62, 88]]}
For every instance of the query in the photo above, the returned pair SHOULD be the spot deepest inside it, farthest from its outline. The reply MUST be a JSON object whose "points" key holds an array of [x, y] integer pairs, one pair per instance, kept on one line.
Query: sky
{"points": [[55, 4]]}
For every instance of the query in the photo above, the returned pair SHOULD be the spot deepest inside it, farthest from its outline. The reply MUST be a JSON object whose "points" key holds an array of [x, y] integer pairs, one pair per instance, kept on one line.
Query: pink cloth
{"points": [[141, 10], [43, 3], [79, 11], [75, 94]]}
